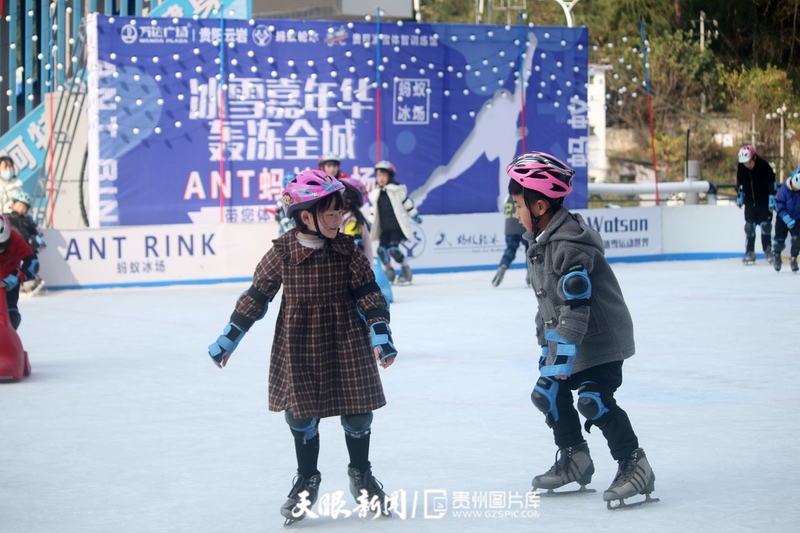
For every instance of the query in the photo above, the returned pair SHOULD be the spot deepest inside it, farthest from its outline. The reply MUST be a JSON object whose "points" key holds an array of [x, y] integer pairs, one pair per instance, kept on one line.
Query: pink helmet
{"points": [[746, 153], [543, 173], [356, 185], [308, 187]]}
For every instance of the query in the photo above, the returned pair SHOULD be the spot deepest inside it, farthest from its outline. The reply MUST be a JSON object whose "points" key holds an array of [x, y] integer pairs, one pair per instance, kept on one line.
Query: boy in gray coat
{"points": [[584, 329]]}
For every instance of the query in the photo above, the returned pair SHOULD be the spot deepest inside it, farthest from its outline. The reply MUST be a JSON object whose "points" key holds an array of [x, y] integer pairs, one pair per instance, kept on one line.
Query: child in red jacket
{"points": [[17, 262]]}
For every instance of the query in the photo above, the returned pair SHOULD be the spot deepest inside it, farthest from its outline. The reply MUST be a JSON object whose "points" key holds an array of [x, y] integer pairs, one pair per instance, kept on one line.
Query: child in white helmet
{"points": [[24, 224], [788, 208], [392, 214]]}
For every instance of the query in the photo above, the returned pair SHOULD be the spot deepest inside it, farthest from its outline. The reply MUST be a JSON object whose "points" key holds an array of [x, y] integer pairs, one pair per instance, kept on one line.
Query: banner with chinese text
{"points": [[197, 121]]}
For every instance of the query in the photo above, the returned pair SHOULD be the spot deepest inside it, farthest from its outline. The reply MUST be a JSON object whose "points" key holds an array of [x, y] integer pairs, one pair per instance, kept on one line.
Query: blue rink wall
{"points": [[188, 254]]}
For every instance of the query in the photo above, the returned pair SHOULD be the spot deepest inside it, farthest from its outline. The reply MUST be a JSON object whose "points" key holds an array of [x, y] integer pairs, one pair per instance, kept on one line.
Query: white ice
{"points": [[126, 426]]}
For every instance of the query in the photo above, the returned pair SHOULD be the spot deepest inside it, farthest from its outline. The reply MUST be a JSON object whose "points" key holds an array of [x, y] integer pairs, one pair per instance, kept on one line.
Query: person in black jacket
{"points": [[23, 224], [756, 186]]}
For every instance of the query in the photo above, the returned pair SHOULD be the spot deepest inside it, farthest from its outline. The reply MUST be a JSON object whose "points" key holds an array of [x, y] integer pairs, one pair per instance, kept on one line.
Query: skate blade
{"points": [[623, 505], [550, 492]]}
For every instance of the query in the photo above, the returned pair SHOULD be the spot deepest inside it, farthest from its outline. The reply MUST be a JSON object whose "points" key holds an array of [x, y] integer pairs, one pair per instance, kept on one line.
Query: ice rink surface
{"points": [[126, 426]]}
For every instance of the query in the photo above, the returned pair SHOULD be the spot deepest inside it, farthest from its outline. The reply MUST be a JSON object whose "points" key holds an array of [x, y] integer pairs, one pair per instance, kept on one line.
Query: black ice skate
{"points": [[405, 275], [634, 476], [777, 261], [369, 491], [793, 264], [749, 258], [301, 498], [498, 277], [572, 464]]}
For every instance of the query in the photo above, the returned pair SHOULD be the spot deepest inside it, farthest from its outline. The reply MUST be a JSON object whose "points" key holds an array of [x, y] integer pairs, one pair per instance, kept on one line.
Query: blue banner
{"points": [[197, 120]]}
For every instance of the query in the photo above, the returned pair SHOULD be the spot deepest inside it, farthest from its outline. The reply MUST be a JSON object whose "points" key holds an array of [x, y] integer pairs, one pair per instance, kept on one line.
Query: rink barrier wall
{"points": [[194, 254]]}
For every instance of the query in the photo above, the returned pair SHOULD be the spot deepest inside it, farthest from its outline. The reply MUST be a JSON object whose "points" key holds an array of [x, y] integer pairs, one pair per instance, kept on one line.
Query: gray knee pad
{"points": [[749, 229], [357, 425], [766, 228], [305, 428]]}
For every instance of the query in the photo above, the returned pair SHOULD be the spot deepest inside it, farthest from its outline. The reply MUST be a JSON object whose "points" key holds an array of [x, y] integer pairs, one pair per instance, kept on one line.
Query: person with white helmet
{"points": [[331, 164], [392, 214], [787, 206], [18, 264], [584, 329], [331, 336], [24, 224], [756, 186]]}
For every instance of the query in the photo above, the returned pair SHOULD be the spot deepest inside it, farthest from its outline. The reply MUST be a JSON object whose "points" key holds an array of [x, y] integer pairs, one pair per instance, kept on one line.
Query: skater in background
{"points": [[285, 223], [332, 327], [331, 164], [584, 328], [354, 223], [755, 183], [514, 231], [18, 264], [392, 213], [788, 209], [23, 224], [10, 185]]}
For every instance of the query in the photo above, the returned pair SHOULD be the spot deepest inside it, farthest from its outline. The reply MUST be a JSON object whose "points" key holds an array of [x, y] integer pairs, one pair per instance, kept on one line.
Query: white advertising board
{"points": [[153, 255], [212, 253]]}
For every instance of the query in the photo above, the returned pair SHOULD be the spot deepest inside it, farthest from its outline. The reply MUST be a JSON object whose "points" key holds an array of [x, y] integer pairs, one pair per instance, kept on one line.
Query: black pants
{"points": [[390, 241], [754, 216], [781, 232], [12, 297], [615, 425]]}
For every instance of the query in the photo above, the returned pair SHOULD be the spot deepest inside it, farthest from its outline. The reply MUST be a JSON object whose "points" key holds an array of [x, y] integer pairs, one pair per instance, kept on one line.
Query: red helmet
{"points": [[746, 153], [543, 173]]}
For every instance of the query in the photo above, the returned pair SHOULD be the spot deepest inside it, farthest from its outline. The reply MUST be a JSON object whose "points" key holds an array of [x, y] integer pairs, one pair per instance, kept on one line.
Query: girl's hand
{"points": [[385, 363]]}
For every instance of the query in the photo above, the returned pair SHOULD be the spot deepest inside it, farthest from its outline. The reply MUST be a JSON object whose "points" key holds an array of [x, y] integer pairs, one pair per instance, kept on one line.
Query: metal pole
{"points": [[12, 65], [702, 48], [780, 176]]}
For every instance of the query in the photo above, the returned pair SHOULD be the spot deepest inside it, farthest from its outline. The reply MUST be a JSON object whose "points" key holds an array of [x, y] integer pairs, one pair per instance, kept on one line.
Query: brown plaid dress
{"points": [[322, 363]]}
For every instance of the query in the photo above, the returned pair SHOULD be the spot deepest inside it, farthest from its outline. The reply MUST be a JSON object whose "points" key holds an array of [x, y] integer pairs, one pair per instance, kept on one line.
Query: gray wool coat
{"points": [[602, 330], [321, 363]]}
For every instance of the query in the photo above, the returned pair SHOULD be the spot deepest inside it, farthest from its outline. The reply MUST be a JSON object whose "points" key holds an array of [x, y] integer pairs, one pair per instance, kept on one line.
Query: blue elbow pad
{"points": [[771, 202], [577, 288]]}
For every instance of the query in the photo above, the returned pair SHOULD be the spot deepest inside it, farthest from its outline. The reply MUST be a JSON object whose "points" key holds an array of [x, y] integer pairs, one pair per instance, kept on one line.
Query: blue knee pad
{"points": [[591, 406], [383, 255], [544, 398], [396, 254], [357, 425], [305, 427]]}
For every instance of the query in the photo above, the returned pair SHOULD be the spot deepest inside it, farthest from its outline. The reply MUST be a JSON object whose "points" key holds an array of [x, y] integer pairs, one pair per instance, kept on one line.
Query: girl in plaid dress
{"points": [[332, 327]]}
